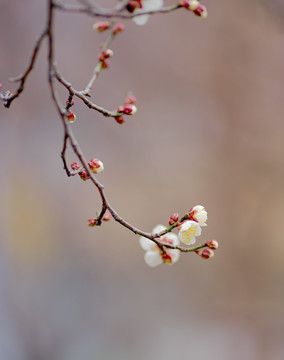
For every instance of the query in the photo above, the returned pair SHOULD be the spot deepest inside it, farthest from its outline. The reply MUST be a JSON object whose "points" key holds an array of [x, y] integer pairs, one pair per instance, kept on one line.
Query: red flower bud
{"points": [[173, 218], [84, 175], [75, 165], [92, 222], [120, 119], [71, 117]]}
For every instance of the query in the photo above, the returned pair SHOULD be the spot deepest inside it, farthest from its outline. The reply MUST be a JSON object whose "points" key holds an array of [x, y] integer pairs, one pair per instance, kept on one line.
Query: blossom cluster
{"points": [[166, 249]]}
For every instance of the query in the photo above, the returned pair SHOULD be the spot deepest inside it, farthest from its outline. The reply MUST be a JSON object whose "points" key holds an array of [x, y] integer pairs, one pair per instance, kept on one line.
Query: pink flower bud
{"points": [[96, 166], [75, 165], [118, 28], [131, 99], [205, 253], [105, 54], [212, 244], [84, 175], [92, 222], [173, 218], [101, 26], [0, 86], [129, 109], [106, 216], [201, 11], [71, 117], [119, 119]]}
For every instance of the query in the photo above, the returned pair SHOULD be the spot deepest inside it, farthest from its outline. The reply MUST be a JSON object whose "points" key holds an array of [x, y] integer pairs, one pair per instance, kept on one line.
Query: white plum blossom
{"points": [[153, 255], [188, 232], [147, 5], [199, 214]]}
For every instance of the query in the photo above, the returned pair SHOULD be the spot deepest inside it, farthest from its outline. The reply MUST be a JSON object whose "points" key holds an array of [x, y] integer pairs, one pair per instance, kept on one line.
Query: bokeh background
{"points": [[209, 130]]}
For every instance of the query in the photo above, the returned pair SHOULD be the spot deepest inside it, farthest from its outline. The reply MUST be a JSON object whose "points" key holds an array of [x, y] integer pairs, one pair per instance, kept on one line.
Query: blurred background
{"points": [[209, 131]]}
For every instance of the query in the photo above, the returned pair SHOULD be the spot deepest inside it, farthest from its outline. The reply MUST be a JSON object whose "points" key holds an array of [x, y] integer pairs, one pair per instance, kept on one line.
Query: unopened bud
{"points": [[133, 4], [118, 28], [92, 222], [96, 166], [70, 104], [105, 54], [84, 175], [129, 109], [212, 244], [119, 119], [106, 216], [71, 117], [101, 26], [173, 218], [131, 99], [201, 11], [190, 5], [75, 165], [105, 64], [205, 253]]}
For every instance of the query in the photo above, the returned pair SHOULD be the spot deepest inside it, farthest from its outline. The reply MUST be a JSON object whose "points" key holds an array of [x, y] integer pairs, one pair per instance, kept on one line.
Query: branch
{"points": [[22, 78]]}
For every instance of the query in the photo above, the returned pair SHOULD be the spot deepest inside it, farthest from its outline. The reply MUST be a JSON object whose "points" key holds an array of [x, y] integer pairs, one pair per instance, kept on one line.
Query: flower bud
{"points": [[212, 244], [105, 64], [75, 165], [131, 99], [201, 11], [71, 104], [106, 216], [129, 109], [190, 5], [96, 166], [92, 222], [173, 218], [105, 54], [205, 253], [71, 117], [84, 175], [101, 26], [0, 86], [118, 28], [119, 119], [133, 4]]}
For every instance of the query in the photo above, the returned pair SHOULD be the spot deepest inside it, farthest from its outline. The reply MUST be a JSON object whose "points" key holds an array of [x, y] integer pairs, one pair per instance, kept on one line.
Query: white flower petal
{"points": [[170, 238], [146, 244], [157, 229], [148, 5], [174, 254], [141, 20], [153, 258], [188, 231]]}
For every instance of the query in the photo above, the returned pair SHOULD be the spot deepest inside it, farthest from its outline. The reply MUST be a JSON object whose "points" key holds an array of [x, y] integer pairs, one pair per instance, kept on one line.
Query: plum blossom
{"points": [[188, 232], [153, 255], [147, 5], [199, 214]]}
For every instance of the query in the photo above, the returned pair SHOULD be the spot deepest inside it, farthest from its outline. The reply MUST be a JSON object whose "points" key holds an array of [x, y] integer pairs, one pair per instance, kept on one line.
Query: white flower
{"points": [[188, 231], [153, 255], [147, 5], [199, 214]]}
